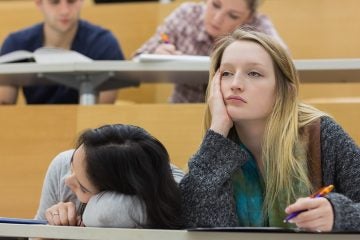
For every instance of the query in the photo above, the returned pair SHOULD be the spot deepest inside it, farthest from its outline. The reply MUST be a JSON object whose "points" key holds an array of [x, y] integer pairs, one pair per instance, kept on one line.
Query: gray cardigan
{"points": [[207, 191]]}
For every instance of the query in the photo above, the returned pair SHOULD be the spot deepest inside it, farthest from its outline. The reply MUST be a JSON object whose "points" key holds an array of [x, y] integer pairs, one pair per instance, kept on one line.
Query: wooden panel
{"points": [[317, 28], [178, 127], [131, 23], [30, 137], [346, 113], [331, 90]]}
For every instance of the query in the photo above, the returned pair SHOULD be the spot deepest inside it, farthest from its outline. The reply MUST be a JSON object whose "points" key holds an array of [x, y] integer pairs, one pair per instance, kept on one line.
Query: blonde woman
{"points": [[264, 151]]}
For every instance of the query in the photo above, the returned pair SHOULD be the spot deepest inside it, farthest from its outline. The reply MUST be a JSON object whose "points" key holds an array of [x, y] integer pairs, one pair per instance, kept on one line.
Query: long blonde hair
{"points": [[283, 150]]}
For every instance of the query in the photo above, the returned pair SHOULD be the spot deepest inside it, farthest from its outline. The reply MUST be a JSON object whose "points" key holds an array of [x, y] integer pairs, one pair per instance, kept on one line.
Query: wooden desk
{"points": [[328, 70], [91, 77], [310, 71], [86, 80], [81, 233]]}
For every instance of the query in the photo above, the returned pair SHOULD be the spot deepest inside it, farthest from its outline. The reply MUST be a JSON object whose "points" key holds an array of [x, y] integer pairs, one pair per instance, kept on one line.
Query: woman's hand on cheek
{"points": [[62, 214], [318, 215], [221, 122]]}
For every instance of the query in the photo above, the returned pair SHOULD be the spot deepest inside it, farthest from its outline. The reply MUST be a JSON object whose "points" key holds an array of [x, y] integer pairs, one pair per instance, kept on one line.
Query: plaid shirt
{"points": [[186, 30]]}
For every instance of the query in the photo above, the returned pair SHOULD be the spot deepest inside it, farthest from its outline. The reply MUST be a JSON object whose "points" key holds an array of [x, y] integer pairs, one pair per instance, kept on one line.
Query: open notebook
{"points": [[44, 55]]}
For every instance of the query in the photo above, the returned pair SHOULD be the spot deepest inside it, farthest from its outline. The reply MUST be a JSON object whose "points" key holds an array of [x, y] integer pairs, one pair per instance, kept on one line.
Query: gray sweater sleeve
{"points": [[206, 190], [341, 167], [111, 209], [54, 189]]}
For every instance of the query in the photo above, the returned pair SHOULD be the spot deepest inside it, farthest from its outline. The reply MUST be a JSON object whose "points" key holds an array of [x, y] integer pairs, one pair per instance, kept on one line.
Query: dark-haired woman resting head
{"points": [[118, 176]]}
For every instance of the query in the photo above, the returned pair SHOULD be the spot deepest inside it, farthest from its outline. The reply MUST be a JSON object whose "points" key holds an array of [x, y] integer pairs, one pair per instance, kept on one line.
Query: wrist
{"points": [[220, 129]]}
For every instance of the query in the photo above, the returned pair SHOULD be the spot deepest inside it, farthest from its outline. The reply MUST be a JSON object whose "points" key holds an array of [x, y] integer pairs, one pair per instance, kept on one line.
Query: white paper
{"points": [[164, 58], [58, 55]]}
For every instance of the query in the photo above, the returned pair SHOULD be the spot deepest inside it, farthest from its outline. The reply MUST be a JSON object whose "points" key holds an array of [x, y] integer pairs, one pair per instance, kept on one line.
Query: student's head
{"points": [[223, 16], [127, 160], [256, 68], [60, 15]]}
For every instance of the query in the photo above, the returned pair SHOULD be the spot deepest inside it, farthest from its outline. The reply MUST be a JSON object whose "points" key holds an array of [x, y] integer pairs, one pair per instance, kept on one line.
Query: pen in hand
{"points": [[165, 46], [164, 38], [320, 193]]}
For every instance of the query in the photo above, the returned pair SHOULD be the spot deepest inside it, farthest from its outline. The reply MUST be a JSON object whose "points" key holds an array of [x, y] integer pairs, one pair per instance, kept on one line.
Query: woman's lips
{"points": [[236, 98]]}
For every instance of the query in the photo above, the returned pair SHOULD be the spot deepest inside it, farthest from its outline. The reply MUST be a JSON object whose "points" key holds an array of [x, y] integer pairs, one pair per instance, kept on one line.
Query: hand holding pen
{"points": [[165, 38], [313, 213], [166, 47]]}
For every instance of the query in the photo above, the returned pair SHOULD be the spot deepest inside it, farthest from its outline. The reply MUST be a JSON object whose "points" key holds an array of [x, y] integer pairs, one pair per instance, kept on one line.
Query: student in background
{"points": [[192, 29], [264, 151], [121, 174], [62, 28]]}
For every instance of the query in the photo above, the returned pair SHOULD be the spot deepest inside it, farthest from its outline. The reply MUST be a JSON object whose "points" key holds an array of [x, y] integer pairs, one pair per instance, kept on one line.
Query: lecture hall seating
{"points": [[32, 135]]}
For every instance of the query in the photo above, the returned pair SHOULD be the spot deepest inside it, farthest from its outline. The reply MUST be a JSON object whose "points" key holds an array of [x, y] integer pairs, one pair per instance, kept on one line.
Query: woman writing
{"points": [[264, 150], [193, 28]]}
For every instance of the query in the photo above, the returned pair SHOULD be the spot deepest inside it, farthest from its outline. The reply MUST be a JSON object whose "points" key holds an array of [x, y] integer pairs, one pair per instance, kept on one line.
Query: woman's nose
{"points": [[238, 82], [218, 18]]}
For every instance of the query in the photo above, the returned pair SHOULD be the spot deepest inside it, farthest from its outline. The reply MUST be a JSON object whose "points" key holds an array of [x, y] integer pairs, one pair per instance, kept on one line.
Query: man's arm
{"points": [[107, 97], [8, 94]]}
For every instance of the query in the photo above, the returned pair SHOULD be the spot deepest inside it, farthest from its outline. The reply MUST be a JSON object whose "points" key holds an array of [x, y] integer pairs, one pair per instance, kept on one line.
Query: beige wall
{"points": [[317, 28]]}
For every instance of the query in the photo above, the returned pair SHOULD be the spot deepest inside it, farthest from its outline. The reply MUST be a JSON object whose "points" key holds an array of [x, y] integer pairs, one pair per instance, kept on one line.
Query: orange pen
{"points": [[322, 192], [164, 38]]}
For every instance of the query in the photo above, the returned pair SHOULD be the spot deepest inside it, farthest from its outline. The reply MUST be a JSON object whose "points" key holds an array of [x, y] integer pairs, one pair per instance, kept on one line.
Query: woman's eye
{"points": [[234, 17], [216, 5], [254, 74], [225, 74]]}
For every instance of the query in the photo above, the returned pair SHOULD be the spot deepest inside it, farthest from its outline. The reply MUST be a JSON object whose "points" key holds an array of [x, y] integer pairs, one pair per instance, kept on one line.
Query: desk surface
{"points": [[125, 73], [81, 233]]}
